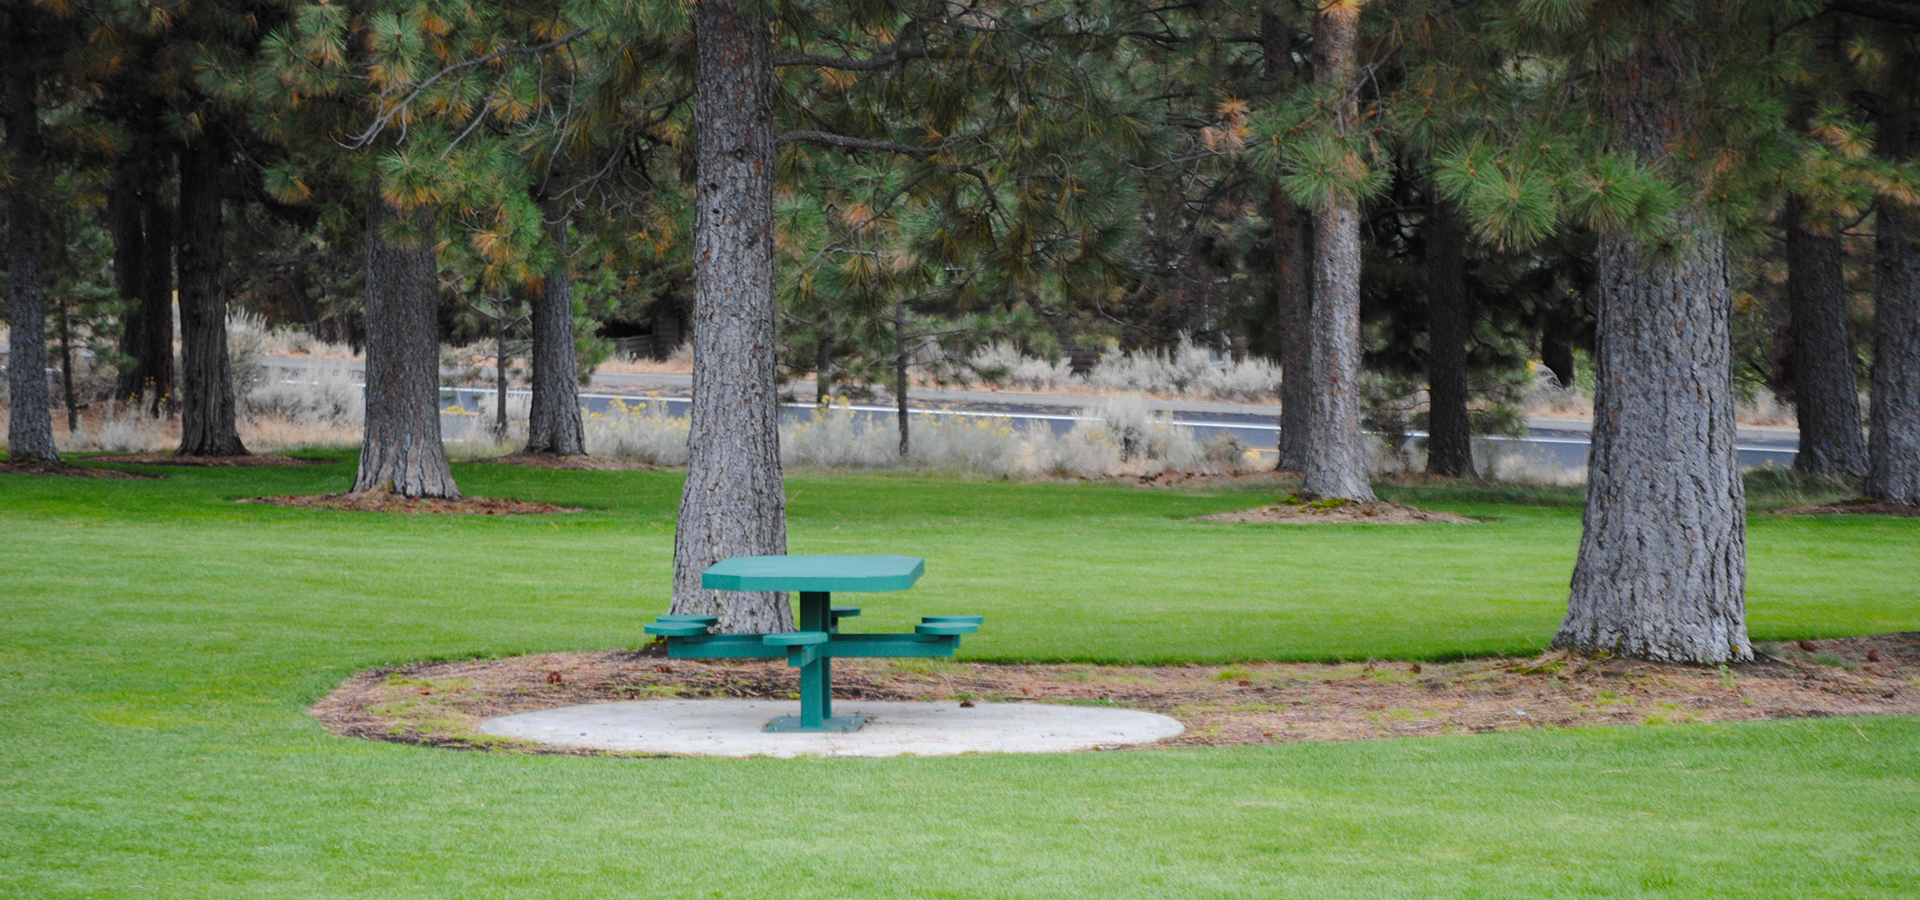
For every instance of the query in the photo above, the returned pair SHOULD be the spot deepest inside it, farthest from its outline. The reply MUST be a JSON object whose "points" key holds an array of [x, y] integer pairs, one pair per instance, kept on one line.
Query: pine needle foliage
{"points": [[1510, 103]]}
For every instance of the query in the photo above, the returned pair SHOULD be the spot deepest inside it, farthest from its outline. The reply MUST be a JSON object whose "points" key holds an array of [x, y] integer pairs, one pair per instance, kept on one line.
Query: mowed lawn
{"points": [[160, 644]]}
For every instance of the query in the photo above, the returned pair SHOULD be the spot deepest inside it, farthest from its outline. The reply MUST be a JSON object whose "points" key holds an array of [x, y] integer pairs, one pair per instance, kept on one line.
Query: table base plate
{"points": [[831, 723]]}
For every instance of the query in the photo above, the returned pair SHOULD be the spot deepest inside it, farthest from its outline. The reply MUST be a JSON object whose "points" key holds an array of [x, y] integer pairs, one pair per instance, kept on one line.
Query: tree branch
{"points": [[852, 143], [414, 90], [1881, 10], [830, 139], [818, 61]]}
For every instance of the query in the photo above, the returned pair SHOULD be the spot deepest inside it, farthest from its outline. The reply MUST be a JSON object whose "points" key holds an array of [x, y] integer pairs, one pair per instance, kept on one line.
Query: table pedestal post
{"points": [[816, 676]]}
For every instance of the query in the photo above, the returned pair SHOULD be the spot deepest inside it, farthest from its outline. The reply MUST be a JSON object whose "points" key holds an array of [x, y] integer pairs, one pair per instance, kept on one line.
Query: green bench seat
{"points": [[704, 620]]}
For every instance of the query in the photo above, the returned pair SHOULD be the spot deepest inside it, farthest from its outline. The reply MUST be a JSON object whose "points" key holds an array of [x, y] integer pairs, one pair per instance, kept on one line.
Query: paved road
{"points": [[1560, 443]]}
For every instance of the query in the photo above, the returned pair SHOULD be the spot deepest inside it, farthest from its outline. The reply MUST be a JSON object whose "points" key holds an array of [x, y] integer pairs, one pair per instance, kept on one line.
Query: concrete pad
{"points": [[732, 728]]}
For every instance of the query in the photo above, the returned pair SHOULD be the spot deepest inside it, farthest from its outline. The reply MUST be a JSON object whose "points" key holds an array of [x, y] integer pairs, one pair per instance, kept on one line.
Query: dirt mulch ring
{"points": [[264, 460], [1292, 511], [580, 463], [440, 703], [395, 503], [1856, 507], [67, 470], [1173, 478]]}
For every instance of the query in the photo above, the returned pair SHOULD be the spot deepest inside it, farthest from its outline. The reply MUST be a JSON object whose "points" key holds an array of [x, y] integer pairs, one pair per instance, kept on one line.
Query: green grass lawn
{"points": [[160, 644]]}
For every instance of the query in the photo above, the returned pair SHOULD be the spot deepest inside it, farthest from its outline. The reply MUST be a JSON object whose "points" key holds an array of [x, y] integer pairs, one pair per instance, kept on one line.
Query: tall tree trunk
{"points": [[66, 373], [1337, 467], [30, 423], [206, 372], [500, 308], [1292, 270], [667, 336], [129, 277], [156, 306], [1893, 447], [823, 365], [401, 452], [1293, 283], [1449, 434], [1826, 392], [734, 502], [1662, 567], [553, 414], [900, 373]]}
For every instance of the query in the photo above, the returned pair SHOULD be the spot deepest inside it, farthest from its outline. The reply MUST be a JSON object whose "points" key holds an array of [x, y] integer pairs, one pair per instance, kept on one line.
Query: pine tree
{"points": [[554, 424], [163, 73], [386, 106], [1689, 139], [1825, 391], [206, 400], [1337, 465], [981, 210], [32, 41], [1449, 432], [1292, 238], [734, 501], [140, 219], [1659, 127], [1828, 192], [1893, 79], [1322, 148]]}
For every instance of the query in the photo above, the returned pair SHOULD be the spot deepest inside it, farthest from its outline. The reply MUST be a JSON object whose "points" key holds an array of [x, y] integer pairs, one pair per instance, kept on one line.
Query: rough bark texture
{"points": [[553, 417], [734, 503], [1825, 390], [900, 375], [66, 370], [1449, 434], [129, 236], [157, 214], [29, 426], [401, 452], [141, 225], [500, 360], [1893, 450], [1662, 567], [206, 373], [1337, 465], [1292, 272], [1293, 281]]}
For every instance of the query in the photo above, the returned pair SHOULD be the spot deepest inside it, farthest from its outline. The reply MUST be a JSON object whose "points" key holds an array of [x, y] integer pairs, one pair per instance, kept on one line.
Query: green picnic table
{"points": [[813, 648]]}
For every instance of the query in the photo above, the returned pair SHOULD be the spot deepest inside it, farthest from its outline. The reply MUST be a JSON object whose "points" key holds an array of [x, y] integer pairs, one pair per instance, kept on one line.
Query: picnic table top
{"points": [[814, 573]]}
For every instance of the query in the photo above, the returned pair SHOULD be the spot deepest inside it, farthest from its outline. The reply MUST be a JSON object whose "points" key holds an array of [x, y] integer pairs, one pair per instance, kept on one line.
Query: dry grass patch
{"points": [[1336, 511], [579, 463], [254, 461], [65, 470], [441, 703]]}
